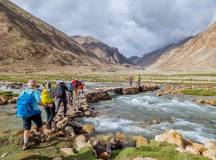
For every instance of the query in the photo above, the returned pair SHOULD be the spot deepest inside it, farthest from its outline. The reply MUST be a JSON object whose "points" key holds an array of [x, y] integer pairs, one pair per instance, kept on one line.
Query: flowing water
{"points": [[150, 115], [143, 114]]}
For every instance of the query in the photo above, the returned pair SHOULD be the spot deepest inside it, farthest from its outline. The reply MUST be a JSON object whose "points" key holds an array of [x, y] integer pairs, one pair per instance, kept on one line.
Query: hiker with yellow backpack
{"points": [[48, 102]]}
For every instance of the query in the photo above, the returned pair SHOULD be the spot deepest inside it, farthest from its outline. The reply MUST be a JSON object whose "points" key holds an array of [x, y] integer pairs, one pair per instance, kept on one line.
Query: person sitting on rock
{"points": [[28, 109], [61, 96]]}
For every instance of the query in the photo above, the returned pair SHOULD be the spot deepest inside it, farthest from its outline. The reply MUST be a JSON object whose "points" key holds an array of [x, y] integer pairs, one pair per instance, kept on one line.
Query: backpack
{"points": [[24, 106], [69, 86], [60, 92], [46, 97]]}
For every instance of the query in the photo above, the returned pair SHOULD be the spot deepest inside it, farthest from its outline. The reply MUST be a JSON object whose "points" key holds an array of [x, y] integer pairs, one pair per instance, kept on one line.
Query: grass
{"points": [[114, 77], [49, 150], [8, 94], [200, 92]]}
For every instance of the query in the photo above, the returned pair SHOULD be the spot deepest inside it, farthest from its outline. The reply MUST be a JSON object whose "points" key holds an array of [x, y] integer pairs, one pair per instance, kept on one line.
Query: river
{"points": [[143, 114]]}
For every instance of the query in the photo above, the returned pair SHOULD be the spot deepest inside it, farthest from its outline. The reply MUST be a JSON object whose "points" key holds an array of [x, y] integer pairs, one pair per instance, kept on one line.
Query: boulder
{"points": [[171, 136], [88, 128], [210, 153], [69, 131], [13, 100], [146, 158], [140, 141], [181, 150], [210, 145], [199, 147], [118, 141], [192, 150], [97, 96], [47, 131], [131, 90], [57, 158], [67, 151], [3, 100], [62, 123]]}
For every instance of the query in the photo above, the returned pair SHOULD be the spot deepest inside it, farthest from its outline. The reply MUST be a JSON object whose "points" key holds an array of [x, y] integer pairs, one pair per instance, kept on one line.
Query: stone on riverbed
{"points": [[171, 136], [3, 100], [140, 141], [88, 128], [67, 151], [97, 96], [131, 90], [210, 153]]}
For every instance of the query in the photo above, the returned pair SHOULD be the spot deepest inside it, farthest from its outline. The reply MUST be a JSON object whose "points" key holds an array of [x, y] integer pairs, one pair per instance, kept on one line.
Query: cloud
{"points": [[134, 26]]}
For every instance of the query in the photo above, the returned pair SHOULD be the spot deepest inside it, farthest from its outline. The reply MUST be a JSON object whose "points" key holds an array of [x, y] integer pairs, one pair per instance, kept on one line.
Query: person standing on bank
{"points": [[28, 109], [61, 96], [139, 81]]}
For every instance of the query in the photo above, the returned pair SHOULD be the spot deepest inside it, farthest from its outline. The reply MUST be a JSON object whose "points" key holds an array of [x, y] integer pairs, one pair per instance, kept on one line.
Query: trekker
{"points": [[61, 96], [47, 100], [28, 109], [81, 86], [131, 81], [70, 92], [139, 80]]}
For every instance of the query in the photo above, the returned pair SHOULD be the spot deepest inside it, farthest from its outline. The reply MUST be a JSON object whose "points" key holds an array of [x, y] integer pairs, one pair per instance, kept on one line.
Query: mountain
{"points": [[196, 54], [150, 58], [28, 41], [105, 53]]}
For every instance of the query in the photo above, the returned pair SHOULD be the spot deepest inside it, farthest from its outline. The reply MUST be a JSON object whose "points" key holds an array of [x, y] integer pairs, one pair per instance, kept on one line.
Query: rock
{"points": [[61, 134], [71, 113], [146, 158], [131, 91], [199, 147], [3, 100], [62, 123], [104, 156], [84, 108], [118, 141], [80, 138], [181, 150], [69, 131], [47, 131], [119, 136], [140, 141], [67, 151], [57, 158], [13, 100], [87, 113], [88, 128], [80, 142], [97, 96], [210, 145], [4, 155], [210, 153], [192, 150], [172, 137]]}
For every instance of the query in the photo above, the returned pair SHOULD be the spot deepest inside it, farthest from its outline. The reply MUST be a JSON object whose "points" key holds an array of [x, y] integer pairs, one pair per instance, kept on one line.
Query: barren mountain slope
{"points": [[197, 54], [106, 53], [26, 40]]}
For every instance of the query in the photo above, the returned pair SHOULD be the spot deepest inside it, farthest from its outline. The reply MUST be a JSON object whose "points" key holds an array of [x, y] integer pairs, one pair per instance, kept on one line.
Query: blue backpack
{"points": [[24, 106]]}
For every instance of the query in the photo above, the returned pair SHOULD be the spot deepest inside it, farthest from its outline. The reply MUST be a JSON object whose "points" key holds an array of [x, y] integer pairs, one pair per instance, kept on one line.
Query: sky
{"points": [[135, 27]]}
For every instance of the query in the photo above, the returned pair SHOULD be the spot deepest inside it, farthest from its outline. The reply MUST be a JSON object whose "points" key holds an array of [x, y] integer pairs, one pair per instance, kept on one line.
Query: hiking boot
{"points": [[26, 146], [43, 138]]}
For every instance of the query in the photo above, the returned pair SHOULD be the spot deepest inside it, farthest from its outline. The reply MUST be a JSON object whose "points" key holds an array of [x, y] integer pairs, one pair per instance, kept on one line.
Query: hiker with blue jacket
{"points": [[28, 109], [61, 96]]}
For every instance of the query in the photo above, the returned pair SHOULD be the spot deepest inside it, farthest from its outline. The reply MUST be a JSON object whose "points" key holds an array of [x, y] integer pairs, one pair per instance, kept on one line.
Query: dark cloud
{"points": [[134, 26]]}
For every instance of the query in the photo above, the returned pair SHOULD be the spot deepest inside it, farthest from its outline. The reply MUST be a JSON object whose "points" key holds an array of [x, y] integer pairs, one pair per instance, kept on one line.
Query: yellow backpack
{"points": [[46, 97]]}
